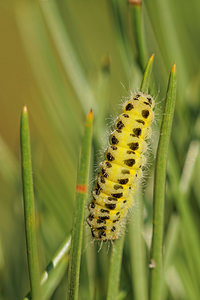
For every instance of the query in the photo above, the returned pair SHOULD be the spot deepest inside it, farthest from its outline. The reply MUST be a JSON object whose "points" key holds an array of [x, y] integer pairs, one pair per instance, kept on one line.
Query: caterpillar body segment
{"points": [[122, 168]]}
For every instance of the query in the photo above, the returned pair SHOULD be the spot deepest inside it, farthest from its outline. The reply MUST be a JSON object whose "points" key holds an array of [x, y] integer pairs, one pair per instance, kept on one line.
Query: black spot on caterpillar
{"points": [[145, 113], [129, 106], [114, 140]]}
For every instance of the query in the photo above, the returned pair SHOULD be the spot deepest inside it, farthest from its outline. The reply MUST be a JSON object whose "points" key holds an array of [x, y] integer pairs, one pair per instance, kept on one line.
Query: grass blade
{"points": [[54, 279], [81, 194], [60, 254], [67, 54], [171, 241], [55, 270], [147, 75], [29, 209], [138, 34], [181, 192], [59, 257], [159, 190], [138, 258], [115, 268]]}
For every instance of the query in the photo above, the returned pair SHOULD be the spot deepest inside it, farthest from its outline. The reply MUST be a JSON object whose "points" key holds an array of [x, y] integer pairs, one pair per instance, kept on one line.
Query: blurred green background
{"points": [[61, 58]]}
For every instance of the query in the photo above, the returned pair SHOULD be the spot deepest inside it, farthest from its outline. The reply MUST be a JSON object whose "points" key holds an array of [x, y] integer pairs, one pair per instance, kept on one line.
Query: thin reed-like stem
{"points": [[136, 10], [29, 207], [60, 257], [115, 268], [81, 194], [156, 263]]}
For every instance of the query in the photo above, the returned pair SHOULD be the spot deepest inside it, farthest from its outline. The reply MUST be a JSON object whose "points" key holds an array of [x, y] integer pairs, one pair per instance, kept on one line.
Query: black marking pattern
{"points": [[129, 106], [120, 125], [114, 140], [145, 113], [110, 157], [133, 146]]}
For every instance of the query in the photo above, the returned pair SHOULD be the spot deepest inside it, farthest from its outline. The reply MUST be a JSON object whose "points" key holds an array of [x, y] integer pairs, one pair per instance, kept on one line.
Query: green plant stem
{"points": [[147, 75], [115, 268], [138, 258], [60, 255], [138, 32], [81, 194], [171, 240], [67, 54], [29, 209], [54, 279], [156, 273], [181, 190]]}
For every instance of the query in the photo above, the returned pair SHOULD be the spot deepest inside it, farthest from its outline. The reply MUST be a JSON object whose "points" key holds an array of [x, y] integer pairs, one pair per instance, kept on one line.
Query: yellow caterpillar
{"points": [[122, 168]]}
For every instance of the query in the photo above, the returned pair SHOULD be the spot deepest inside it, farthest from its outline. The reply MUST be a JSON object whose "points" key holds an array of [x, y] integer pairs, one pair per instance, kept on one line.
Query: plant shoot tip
{"points": [[174, 68], [90, 114], [25, 109], [135, 2], [152, 57]]}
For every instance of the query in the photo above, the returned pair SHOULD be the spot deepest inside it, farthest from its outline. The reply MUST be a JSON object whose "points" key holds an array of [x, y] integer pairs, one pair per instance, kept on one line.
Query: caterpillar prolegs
{"points": [[122, 168]]}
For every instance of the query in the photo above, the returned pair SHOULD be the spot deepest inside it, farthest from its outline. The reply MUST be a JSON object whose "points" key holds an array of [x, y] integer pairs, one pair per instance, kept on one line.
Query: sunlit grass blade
{"points": [[53, 281], [29, 206], [156, 263], [60, 257], [117, 249], [136, 10], [81, 194]]}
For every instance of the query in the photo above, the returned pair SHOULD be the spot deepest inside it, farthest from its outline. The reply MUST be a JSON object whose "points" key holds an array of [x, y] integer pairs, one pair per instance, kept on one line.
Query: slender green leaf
{"points": [[115, 268], [156, 273], [181, 193], [67, 54], [138, 257], [170, 248], [136, 10], [29, 207], [175, 225], [61, 256], [147, 75], [81, 194], [54, 279]]}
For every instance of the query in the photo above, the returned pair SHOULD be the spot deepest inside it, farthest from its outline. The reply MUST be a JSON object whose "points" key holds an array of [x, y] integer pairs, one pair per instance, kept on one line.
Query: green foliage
{"points": [[79, 53], [29, 206], [159, 189]]}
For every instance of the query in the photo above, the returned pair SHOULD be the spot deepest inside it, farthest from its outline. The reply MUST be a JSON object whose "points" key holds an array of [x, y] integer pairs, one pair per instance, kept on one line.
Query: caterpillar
{"points": [[122, 168]]}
